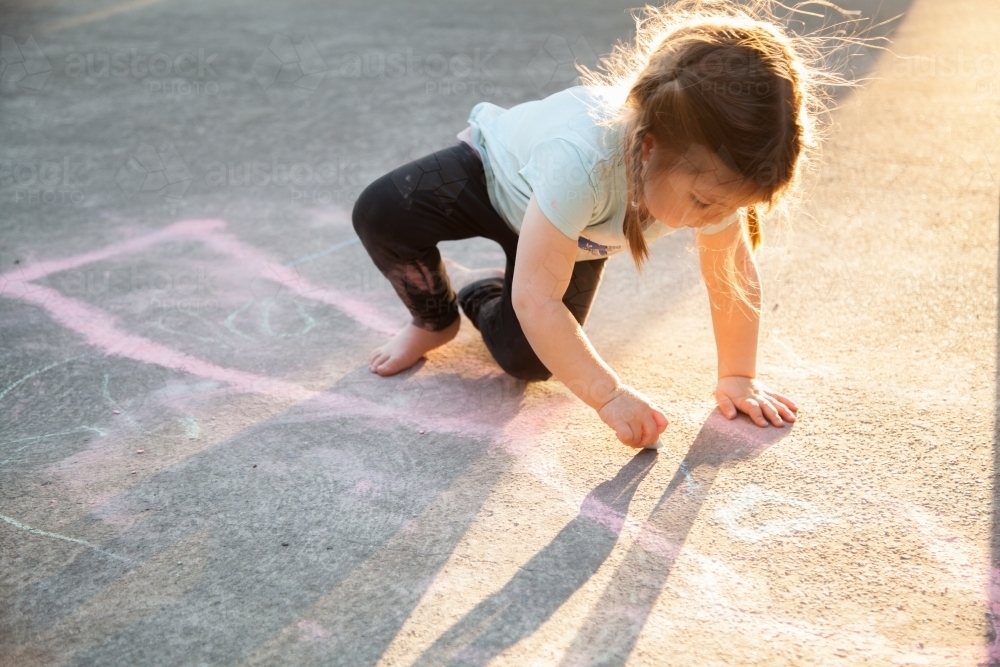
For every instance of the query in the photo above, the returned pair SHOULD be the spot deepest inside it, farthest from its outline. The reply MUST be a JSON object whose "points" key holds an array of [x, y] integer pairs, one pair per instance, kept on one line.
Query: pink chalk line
{"points": [[15, 283], [101, 330]]}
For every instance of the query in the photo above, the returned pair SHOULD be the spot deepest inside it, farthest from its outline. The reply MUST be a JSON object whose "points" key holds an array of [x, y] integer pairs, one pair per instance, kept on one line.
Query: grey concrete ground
{"points": [[196, 468]]}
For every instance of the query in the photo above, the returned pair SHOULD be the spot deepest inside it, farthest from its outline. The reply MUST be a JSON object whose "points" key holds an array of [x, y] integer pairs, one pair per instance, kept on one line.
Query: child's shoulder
{"points": [[578, 116]]}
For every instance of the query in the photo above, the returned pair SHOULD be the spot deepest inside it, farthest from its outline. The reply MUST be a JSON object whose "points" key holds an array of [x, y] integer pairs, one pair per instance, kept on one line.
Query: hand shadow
{"points": [[612, 627], [545, 582]]}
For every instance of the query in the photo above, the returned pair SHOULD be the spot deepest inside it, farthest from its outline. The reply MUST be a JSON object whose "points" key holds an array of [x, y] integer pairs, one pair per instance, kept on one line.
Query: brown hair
{"points": [[712, 73]]}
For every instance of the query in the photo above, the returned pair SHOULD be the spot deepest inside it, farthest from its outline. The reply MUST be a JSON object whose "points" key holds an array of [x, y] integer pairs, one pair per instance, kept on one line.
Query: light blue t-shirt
{"points": [[557, 149]]}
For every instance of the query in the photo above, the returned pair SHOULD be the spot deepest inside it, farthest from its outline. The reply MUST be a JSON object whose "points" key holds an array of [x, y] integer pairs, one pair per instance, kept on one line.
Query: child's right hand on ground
{"points": [[634, 418]]}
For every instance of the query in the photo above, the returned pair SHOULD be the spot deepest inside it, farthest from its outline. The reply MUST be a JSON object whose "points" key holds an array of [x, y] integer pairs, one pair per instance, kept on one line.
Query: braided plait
{"points": [[732, 87]]}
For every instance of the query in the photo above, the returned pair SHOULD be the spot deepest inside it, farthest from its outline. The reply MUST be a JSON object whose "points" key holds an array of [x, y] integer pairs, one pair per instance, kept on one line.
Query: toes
{"points": [[389, 366], [377, 360]]}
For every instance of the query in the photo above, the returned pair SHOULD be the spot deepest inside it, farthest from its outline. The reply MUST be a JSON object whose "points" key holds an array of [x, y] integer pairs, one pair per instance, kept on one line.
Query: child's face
{"points": [[696, 190]]}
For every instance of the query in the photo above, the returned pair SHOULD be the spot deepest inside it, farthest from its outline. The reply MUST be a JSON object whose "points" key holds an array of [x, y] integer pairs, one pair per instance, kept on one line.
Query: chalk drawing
{"points": [[47, 435], [360, 310], [322, 253], [230, 322], [948, 547], [102, 330], [34, 438], [188, 334], [307, 319], [308, 322], [106, 395], [800, 362], [192, 429], [17, 284], [37, 372], [691, 485], [738, 508], [56, 536], [52, 435]]}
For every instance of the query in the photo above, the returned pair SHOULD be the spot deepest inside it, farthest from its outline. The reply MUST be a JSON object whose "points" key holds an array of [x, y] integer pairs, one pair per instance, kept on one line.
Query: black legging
{"points": [[402, 216]]}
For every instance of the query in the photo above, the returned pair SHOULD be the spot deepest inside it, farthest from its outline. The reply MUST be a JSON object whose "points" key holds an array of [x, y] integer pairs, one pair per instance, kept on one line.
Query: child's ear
{"points": [[648, 145]]}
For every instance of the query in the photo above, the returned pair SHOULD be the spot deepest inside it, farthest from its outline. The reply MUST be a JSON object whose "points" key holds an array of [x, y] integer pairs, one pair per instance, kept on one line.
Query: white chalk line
{"points": [[47, 435], [821, 372], [730, 515], [44, 533], [322, 253], [192, 431], [52, 435], [308, 321], [34, 373]]}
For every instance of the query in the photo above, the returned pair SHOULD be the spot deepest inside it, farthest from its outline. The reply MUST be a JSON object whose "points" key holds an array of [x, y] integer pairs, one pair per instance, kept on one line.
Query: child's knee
{"points": [[522, 363], [540, 374], [368, 212]]}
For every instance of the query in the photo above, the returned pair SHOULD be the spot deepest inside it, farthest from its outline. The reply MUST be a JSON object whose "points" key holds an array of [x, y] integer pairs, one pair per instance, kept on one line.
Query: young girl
{"points": [[706, 119]]}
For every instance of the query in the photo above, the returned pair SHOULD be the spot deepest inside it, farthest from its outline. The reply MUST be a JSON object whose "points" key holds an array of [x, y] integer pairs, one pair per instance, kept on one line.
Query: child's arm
{"points": [[542, 272], [736, 325]]}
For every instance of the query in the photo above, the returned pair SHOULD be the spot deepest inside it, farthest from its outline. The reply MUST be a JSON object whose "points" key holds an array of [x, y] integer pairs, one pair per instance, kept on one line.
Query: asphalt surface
{"points": [[196, 467]]}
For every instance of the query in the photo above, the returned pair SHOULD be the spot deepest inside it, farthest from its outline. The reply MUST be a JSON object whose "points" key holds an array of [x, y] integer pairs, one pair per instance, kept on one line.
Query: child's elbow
{"points": [[521, 301], [529, 306]]}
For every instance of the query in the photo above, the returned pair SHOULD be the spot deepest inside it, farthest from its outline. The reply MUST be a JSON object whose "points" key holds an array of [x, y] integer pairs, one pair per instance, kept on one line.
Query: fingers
{"points": [[727, 407], [661, 421], [783, 410], [753, 410], [649, 431], [784, 400], [636, 422], [771, 412], [635, 432], [763, 406]]}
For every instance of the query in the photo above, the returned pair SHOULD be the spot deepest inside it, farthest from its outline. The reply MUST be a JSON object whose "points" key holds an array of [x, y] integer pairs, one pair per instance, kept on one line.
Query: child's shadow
{"points": [[545, 582], [612, 627]]}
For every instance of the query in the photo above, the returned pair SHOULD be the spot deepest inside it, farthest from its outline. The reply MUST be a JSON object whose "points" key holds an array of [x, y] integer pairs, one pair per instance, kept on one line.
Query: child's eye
{"points": [[699, 203]]}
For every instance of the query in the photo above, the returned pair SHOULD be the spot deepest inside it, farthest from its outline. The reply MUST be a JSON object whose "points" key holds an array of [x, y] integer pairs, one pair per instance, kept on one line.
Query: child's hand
{"points": [[752, 397], [634, 418]]}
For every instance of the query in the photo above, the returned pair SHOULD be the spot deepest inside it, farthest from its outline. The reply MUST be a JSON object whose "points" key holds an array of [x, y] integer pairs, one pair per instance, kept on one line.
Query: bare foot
{"points": [[460, 276], [407, 347]]}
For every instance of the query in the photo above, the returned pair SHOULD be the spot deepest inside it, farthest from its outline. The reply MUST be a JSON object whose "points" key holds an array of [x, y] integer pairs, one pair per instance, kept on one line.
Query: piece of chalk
{"points": [[656, 445]]}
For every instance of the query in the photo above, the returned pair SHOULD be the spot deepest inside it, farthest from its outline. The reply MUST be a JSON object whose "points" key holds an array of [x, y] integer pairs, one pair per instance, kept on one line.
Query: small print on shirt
{"points": [[596, 248]]}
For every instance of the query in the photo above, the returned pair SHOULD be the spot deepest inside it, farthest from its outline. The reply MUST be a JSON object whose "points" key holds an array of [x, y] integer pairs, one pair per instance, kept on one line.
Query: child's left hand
{"points": [[753, 398]]}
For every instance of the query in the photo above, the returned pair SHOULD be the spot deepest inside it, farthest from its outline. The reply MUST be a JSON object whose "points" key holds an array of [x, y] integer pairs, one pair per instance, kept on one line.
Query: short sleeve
{"points": [[560, 179], [719, 226]]}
